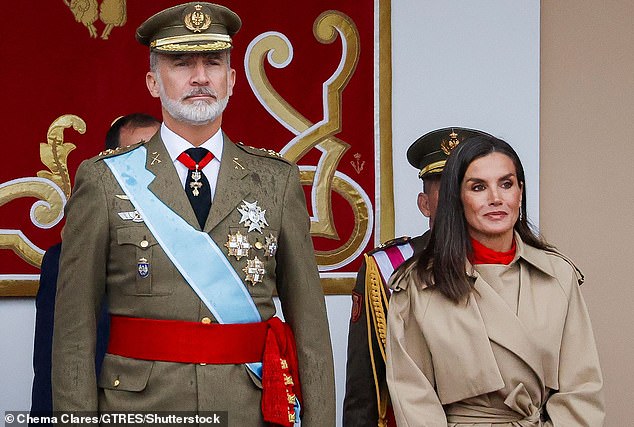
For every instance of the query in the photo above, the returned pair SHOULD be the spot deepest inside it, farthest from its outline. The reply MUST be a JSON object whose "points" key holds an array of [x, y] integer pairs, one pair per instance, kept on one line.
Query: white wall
{"points": [[456, 63], [464, 63]]}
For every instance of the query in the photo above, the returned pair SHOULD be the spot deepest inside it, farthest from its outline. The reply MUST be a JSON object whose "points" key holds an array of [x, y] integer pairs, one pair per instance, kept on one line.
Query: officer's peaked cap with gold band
{"points": [[190, 28], [429, 153]]}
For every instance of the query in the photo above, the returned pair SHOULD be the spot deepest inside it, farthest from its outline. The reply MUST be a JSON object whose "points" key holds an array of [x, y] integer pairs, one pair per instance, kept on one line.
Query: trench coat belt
{"points": [[270, 342], [520, 410], [468, 414]]}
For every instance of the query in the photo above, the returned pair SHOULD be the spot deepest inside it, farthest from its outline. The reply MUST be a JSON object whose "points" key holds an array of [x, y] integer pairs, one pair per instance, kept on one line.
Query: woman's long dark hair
{"points": [[442, 263]]}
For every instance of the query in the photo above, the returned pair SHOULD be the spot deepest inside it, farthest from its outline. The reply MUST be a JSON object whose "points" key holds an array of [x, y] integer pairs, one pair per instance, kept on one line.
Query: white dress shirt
{"points": [[176, 144]]}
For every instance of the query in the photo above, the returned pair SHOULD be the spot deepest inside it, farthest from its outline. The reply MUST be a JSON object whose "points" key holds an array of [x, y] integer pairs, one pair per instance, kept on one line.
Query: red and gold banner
{"points": [[311, 77]]}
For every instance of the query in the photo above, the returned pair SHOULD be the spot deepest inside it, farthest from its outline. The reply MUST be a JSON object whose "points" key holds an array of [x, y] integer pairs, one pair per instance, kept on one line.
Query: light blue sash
{"points": [[193, 252]]}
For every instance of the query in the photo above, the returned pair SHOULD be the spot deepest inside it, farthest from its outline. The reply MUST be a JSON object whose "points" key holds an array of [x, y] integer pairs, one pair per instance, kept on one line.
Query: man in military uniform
{"points": [[189, 236], [367, 400]]}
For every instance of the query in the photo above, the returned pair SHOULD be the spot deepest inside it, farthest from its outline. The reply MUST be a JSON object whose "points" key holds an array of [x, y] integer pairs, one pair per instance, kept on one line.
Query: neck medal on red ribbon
{"points": [[194, 167]]}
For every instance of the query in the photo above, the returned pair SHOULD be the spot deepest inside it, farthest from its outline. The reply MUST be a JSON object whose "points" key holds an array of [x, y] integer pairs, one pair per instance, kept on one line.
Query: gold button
{"points": [[116, 382], [145, 243], [258, 245], [206, 320]]}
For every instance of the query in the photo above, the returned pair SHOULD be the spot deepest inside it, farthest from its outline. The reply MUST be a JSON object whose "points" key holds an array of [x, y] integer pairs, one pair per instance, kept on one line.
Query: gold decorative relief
{"points": [[54, 153], [278, 50], [361, 208], [51, 187], [113, 13]]}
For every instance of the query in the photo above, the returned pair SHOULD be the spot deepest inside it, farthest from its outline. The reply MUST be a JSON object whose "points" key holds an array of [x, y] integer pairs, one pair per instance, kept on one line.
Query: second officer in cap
{"points": [[367, 399], [217, 229]]}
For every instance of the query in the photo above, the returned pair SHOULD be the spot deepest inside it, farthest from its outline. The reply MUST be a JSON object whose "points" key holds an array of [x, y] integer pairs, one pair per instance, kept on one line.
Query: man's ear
{"points": [[152, 84], [423, 204]]}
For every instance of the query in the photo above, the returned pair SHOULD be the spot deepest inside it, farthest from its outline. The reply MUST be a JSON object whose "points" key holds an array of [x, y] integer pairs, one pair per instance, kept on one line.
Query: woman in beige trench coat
{"points": [[487, 326]]}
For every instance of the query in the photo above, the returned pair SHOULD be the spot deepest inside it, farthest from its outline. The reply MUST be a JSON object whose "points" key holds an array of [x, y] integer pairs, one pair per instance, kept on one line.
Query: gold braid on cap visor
{"points": [[433, 167], [182, 43]]}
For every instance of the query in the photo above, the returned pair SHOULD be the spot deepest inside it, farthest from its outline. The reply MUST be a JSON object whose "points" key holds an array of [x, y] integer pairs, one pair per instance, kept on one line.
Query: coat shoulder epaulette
{"points": [[262, 152], [580, 277], [111, 152], [393, 242]]}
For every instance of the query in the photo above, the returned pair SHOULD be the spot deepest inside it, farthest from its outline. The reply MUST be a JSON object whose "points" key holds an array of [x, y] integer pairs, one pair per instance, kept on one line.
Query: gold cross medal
{"points": [[270, 245], [252, 216], [254, 271], [196, 185], [238, 245]]}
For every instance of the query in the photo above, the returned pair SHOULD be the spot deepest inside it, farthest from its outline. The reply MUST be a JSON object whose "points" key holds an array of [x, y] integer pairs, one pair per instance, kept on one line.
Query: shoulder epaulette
{"points": [[262, 152], [119, 150], [580, 277], [393, 242], [390, 255]]}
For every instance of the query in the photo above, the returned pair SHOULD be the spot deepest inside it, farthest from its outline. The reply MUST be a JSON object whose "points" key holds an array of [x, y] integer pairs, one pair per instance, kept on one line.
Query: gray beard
{"points": [[197, 113]]}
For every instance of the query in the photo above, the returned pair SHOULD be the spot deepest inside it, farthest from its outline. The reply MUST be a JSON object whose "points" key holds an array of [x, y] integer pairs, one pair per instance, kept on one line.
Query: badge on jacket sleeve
{"points": [[143, 267], [254, 271], [252, 216]]}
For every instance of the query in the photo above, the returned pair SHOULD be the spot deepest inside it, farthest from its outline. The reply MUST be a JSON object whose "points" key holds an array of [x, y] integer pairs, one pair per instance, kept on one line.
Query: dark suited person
{"points": [[190, 235], [126, 130], [366, 402]]}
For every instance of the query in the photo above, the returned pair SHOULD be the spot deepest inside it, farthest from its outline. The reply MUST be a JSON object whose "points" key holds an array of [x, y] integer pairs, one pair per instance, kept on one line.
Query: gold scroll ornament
{"points": [[52, 187], [319, 135]]}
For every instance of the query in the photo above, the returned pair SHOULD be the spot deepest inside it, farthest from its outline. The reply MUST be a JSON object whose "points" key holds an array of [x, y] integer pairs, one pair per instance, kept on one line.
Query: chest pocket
{"points": [[145, 268]]}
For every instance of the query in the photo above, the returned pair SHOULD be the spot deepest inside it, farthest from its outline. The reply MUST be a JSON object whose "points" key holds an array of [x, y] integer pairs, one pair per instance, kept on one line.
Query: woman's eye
{"points": [[478, 187], [507, 184]]}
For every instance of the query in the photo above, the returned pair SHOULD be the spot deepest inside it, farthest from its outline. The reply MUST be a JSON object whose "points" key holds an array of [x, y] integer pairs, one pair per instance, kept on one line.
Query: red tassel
{"points": [[280, 380]]}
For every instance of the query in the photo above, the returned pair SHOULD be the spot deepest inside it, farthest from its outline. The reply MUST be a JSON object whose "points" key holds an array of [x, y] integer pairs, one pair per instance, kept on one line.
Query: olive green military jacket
{"points": [[102, 252]]}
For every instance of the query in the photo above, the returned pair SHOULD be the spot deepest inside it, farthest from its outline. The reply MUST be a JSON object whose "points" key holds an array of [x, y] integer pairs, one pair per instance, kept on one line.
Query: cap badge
{"points": [[252, 216], [448, 146], [254, 271], [197, 21], [238, 245]]}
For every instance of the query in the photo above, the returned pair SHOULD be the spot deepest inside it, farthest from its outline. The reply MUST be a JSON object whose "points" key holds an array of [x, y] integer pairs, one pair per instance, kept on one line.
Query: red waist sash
{"points": [[270, 342]]}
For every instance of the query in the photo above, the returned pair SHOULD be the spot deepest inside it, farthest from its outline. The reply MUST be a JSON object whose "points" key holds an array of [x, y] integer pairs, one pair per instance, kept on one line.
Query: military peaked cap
{"points": [[190, 28], [429, 153]]}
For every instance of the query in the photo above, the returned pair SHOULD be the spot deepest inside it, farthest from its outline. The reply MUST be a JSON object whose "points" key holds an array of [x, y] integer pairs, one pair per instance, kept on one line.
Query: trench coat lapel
{"points": [[504, 327], [231, 187], [167, 186]]}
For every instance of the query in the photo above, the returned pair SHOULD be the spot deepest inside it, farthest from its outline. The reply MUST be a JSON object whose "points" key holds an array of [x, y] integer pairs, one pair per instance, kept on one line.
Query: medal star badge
{"points": [[254, 271], [238, 245], [143, 267], [252, 216], [270, 245]]}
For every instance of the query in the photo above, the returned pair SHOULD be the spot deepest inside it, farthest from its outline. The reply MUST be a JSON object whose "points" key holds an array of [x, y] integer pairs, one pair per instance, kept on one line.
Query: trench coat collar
{"points": [[535, 257]]}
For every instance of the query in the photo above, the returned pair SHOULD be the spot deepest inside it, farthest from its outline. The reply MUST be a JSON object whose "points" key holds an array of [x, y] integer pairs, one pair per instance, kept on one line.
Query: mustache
{"points": [[200, 91]]}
